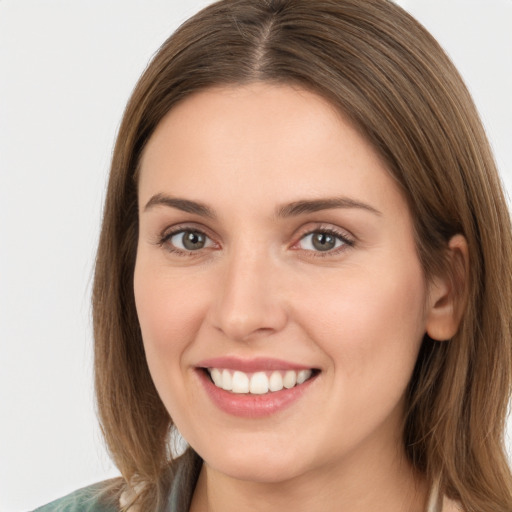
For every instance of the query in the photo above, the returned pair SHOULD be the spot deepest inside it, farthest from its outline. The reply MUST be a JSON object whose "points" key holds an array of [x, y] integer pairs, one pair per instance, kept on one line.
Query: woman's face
{"points": [[274, 245]]}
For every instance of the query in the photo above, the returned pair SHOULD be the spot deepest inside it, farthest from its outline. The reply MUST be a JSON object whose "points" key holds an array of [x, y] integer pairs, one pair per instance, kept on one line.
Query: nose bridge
{"points": [[249, 302]]}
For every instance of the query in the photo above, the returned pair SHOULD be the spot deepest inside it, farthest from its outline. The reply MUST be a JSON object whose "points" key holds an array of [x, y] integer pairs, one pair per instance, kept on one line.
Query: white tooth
{"points": [[290, 379], [259, 383], [303, 376], [216, 376], [276, 381], [240, 383], [227, 381]]}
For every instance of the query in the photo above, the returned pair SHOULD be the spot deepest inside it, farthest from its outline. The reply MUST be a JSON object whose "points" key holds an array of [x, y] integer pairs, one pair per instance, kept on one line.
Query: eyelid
{"points": [[170, 231], [345, 236]]}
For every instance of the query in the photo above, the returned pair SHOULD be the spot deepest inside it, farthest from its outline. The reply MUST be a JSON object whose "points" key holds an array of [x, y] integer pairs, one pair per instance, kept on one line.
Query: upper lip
{"points": [[251, 365]]}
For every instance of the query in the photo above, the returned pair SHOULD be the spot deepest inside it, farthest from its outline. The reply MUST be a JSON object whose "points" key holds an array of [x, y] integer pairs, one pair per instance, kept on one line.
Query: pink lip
{"points": [[248, 405], [259, 364]]}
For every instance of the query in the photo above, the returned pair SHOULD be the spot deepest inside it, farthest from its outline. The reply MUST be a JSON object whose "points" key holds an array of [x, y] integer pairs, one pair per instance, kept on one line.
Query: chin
{"points": [[256, 465]]}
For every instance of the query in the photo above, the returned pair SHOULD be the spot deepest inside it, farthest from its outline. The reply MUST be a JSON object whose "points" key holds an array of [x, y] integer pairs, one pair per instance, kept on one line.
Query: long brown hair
{"points": [[387, 74]]}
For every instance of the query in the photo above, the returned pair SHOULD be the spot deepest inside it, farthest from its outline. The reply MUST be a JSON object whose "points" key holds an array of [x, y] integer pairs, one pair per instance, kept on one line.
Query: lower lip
{"points": [[253, 406]]}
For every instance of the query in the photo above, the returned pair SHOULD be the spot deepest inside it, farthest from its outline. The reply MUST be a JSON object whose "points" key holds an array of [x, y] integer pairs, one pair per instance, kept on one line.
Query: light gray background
{"points": [[66, 71]]}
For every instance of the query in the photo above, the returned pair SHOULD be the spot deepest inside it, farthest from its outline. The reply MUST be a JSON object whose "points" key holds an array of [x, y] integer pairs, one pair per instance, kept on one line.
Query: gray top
{"points": [[94, 498]]}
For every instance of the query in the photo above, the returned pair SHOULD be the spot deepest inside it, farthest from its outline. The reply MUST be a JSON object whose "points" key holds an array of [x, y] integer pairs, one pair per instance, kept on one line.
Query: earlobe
{"points": [[447, 293]]}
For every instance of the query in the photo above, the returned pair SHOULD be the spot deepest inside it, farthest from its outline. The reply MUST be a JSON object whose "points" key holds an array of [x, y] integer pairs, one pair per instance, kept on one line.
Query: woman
{"points": [[304, 267]]}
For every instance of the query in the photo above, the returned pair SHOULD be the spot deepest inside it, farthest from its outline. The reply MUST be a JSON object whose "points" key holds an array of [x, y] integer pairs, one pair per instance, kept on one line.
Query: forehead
{"points": [[260, 142], [256, 113]]}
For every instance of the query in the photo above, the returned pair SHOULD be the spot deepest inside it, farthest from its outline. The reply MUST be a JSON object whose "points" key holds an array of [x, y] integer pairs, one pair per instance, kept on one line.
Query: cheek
{"points": [[169, 317], [166, 307], [370, 326], [370, 323]]}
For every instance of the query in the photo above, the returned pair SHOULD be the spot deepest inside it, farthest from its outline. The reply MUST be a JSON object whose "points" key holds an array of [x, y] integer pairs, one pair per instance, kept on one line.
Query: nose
{"points": [[250, 302]]}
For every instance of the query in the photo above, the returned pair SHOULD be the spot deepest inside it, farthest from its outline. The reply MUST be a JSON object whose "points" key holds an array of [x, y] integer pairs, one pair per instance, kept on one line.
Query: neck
{"points": [[378, 480]]}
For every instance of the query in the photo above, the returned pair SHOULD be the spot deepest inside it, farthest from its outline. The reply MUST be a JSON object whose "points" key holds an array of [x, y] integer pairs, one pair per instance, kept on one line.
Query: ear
{"points": [[447, 294]]}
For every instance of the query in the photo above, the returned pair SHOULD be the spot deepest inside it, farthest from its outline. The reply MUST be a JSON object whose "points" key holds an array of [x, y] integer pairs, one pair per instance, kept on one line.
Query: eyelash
{"points": [[347, 242], [164, 240]]}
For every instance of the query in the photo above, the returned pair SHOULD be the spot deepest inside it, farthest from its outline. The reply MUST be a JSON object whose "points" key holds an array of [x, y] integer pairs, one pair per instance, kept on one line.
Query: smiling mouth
{"points": [[258, 383]]}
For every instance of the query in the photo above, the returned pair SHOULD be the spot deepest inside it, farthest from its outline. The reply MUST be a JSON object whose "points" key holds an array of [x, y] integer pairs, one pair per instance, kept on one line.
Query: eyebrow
{"points": [[184, 205], [293, 209], [316, 205]]}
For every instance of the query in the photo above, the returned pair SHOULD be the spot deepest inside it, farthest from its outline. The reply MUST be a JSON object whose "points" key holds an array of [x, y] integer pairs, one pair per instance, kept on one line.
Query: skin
{"points": [[259, 288]]}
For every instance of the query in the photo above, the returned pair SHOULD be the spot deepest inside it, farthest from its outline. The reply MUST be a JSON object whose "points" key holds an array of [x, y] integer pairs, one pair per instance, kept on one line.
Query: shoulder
{"points": [[107, 496], [88, 499]]}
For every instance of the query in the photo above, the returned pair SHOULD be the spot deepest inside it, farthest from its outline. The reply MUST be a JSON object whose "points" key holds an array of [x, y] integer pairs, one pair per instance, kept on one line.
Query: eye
{"points": [[187, 240], [323, 241]]}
